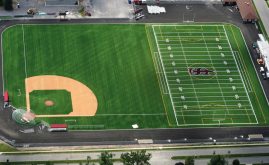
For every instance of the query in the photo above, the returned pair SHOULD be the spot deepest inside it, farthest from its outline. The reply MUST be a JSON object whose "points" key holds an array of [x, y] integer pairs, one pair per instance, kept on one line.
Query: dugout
{"points": [[58, 128], [6, 99]]}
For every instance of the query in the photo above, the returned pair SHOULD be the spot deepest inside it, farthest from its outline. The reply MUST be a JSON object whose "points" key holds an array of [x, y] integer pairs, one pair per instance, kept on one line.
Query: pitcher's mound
{"points": [[49, 103]]}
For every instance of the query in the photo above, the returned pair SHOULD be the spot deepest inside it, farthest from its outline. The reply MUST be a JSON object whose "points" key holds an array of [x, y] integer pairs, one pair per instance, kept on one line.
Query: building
{"points": [[246, 9]]}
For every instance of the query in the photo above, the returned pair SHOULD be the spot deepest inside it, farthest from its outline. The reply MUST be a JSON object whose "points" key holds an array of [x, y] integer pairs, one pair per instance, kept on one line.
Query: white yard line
{"points": [[159, 53], [161, 73], [219, 115], [246, 78], [186, 61], [241, 76], [210, 101], [191, 32], [142, 114]]}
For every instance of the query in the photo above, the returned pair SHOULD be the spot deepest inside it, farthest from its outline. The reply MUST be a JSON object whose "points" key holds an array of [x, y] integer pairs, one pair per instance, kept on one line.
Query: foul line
{"points": [[24, 54]]}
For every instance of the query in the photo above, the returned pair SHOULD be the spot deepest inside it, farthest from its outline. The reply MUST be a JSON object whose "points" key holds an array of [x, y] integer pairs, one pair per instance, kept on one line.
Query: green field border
{"points": [[150, 45]]}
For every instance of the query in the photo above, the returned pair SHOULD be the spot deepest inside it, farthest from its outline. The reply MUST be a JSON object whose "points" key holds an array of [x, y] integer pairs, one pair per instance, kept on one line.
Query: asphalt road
{"points": [[200, 13], [158, 156]]}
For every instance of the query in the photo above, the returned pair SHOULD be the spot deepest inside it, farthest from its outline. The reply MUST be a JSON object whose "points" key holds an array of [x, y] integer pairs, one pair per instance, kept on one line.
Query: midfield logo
{"points": [[200, 71]]}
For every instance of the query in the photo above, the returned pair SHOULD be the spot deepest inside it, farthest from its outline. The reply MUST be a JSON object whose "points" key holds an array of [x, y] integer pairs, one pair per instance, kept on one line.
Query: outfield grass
{"points": [[128, 69], [114, 61]]}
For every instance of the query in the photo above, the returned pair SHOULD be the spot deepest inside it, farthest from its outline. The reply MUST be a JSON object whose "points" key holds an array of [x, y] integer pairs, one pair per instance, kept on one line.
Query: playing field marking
{"points": [[241, 61], [24, 52], [212, 88], [215, 101], [241, 68], [191, 32], [191, 43], [208, 92], [218, 109], [240, 75], [206, 83], [207, 96], [151, 53], [161, 74], [214, 67], [184, 55], [189, 51], [253, 66], [217, 115], [178, 54], [169, 91], [130, 114]]}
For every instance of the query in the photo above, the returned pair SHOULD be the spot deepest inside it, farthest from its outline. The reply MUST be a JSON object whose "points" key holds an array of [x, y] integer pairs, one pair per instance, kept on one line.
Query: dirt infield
{"points": [[84, 102]]}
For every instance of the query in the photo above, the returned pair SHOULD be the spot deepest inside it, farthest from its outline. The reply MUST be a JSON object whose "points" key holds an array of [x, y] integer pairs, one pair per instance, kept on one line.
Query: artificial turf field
{"points": [[140, 73]]}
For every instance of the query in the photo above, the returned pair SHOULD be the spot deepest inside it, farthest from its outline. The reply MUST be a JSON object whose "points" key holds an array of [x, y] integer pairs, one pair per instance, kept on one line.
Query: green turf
{"points": [[208, 99], [114, 61], [61, 99], [121, 65]]}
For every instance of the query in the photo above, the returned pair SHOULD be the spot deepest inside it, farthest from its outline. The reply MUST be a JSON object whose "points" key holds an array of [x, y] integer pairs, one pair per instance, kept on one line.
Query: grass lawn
{"points": [[61, 99], [6, 148], [114, 61], [140, 73]]}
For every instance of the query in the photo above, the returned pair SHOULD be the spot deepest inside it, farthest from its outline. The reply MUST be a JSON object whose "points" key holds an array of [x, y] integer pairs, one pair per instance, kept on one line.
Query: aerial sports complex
{"points": [[131, 76]]}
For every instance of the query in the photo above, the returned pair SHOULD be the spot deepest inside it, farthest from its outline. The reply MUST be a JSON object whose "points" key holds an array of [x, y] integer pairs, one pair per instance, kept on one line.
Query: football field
{"points": [[145, 75], [218, 96]]}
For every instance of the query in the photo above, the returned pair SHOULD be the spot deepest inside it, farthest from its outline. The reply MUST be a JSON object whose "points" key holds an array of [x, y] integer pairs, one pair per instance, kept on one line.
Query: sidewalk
{"points": [[158, 156]]}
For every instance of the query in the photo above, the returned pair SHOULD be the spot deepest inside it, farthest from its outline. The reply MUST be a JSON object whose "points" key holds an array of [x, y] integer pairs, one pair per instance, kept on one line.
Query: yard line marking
{"points": [[184, 55], [161, 72], [24, 54], [217, 115], [240, 75], [212, 88], [191, 32], [217, 105], [204, 92], [213, 37], [159, 53], [151, 50], [140, 114], [210, 101], [209, 97], [243, 69]]}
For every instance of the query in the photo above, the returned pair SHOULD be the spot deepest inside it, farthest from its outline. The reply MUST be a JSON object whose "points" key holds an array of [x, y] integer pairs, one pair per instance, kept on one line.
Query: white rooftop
{"points": [[264, 50]]}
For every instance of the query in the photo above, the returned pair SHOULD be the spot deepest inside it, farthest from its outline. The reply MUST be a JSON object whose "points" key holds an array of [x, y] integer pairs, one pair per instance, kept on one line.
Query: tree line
{"points": [[142, 158]]}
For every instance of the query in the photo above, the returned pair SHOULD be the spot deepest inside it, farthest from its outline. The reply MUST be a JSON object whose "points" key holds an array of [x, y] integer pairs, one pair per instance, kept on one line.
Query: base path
{"points": [[84, 102]]}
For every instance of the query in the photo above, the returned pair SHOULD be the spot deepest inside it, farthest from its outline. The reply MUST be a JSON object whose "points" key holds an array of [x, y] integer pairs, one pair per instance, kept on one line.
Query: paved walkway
{"points": [[158, 156], [263, 11]]}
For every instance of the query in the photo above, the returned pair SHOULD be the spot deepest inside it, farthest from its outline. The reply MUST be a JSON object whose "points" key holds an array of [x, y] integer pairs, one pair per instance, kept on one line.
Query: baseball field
{"points": [[115, 76]]}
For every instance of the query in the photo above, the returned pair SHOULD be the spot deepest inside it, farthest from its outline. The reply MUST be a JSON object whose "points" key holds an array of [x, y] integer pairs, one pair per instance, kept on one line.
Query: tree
{"points": [[8, 5], [106, 158], [136, 158], [189, 160], [179, 163], [218, 160], [236, 162]]}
